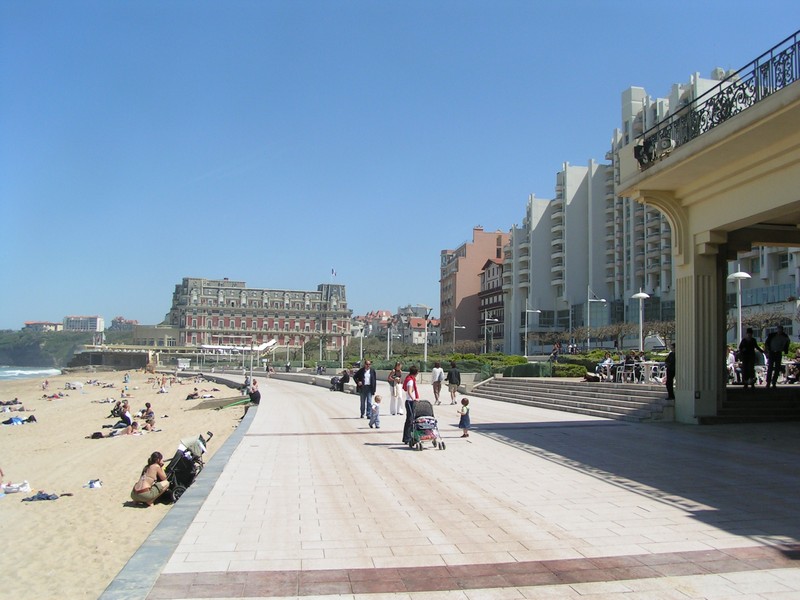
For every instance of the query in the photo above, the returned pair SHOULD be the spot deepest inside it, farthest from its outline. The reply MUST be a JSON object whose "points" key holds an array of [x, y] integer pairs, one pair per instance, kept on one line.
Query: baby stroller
{"points": [[185, 466], [337, 383], [424, 427]]}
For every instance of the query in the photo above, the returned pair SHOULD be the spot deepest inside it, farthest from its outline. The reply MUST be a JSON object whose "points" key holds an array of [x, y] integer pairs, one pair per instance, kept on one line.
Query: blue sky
{"points": [[142, 142]]}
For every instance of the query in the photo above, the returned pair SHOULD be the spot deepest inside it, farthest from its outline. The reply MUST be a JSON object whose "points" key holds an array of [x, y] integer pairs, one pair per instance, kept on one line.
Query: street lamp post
{"points": [[527, 310], [738, 277], [454, 333], [589, 301], [428, 311], [342, 351], [641, 297], [486, 332]]}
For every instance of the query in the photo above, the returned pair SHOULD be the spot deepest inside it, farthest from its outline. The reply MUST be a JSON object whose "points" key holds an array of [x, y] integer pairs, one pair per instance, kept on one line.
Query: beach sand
{"points": [[74, 546]]}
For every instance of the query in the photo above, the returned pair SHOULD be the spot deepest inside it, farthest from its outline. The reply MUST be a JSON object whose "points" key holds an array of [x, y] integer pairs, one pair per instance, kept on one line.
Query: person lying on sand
{"points": [[132, 429], [19, 420]]}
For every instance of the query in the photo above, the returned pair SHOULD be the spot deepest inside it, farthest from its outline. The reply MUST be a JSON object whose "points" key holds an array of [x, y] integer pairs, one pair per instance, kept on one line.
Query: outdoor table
{"points": [[650, 371]]}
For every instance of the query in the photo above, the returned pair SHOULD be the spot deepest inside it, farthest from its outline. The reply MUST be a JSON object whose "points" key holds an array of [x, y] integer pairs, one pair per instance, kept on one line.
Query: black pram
{"points": [[337, 383], [185, 466]]}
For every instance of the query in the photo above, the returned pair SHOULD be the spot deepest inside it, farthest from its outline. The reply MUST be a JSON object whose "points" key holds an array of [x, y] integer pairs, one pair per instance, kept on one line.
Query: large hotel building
{"points": [[224, 312]]}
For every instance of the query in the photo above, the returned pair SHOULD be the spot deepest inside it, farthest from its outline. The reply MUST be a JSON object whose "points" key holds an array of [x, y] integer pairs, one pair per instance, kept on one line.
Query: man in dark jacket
{"points": [[776, 345], [669, 363], [366, 383]]}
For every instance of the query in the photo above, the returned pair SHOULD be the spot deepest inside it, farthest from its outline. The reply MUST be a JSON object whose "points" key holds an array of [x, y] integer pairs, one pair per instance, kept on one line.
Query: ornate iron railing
{"points": [[774, 70]]}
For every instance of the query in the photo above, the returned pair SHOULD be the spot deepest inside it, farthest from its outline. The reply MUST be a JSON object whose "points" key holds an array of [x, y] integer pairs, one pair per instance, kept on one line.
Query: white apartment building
{"points": [[588, 244], [773, 286], [556, 265], [83, 323]]}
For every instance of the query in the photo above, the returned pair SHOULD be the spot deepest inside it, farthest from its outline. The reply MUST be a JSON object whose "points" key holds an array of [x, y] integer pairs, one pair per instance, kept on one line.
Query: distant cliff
{"points": [[52, 349]]}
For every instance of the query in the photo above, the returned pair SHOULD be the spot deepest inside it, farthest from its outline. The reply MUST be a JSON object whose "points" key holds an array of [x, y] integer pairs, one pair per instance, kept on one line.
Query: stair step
{"points": [[628, 402], [637, 402]]}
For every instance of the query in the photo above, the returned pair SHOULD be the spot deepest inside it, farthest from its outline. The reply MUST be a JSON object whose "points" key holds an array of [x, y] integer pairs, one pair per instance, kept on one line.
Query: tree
{"points": [[618, 331], [762, 320], [664, 329]]}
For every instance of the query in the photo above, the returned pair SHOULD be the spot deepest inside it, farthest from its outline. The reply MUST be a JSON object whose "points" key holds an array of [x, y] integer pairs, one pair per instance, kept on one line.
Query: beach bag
{"points": [[13, 488]]}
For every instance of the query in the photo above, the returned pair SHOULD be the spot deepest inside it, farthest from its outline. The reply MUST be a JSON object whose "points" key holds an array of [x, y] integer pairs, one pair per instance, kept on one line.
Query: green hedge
{"points": [[560, 370], [531, 369]]}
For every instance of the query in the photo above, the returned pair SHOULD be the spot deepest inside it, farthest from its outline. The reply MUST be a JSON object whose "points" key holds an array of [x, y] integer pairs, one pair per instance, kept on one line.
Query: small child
{"points": [[375, 413], [463, 422]]}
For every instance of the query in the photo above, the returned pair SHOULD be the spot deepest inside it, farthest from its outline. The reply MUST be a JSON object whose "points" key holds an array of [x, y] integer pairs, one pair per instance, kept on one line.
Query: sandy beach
{"points": [[73, 547]]}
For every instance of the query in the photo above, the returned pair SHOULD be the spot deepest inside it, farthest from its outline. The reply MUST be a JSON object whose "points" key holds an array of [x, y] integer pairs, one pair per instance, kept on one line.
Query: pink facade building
{"points": [[460, 284]]}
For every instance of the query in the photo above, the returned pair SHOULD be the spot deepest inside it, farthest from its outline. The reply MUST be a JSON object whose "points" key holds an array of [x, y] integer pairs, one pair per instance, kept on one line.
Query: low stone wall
{"points": [[468, 380]]}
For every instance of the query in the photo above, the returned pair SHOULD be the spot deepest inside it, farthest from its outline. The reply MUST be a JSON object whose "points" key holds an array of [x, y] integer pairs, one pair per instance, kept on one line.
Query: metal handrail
{"points": [[774, 70]]}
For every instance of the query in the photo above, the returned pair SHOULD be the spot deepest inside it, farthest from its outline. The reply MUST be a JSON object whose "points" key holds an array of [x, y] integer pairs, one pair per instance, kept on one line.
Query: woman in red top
{"points": [[412, 395]]}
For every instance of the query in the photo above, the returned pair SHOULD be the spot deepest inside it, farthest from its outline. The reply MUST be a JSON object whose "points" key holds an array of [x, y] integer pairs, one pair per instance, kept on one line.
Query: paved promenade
{"points": [[306, 500]]}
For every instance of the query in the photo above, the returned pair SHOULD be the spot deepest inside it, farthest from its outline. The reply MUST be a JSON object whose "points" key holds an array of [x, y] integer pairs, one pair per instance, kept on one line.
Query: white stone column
{"points": [[700, 316]]}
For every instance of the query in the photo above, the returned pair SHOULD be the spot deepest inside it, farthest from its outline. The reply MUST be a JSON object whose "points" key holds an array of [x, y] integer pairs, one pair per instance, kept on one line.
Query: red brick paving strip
{"points": [[250, 584]]}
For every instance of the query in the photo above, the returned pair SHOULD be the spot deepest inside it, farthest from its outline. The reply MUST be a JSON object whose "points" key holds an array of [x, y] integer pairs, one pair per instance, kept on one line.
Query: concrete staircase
{"points": [[621, 401], [760, 405]]}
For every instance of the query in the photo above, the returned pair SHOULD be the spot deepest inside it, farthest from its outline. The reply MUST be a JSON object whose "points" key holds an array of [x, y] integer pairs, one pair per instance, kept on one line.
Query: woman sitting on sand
{"points": [[153, 481]]}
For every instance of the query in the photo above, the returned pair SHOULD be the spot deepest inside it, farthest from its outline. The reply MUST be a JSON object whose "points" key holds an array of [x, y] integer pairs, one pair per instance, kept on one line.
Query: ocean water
{"points": [[9, 373]]}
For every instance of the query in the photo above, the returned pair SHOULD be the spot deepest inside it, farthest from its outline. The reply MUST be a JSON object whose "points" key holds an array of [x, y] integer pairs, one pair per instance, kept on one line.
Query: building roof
{"points": [[419, 323]]}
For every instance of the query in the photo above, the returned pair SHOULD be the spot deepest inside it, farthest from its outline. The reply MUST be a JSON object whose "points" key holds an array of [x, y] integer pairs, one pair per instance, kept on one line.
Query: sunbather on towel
{"points": [[41, 496], [132, 429], [19, 420]]}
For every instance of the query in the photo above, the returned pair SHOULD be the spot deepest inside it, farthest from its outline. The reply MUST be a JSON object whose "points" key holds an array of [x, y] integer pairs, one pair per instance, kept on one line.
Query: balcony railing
{"points": [[774, 70]]}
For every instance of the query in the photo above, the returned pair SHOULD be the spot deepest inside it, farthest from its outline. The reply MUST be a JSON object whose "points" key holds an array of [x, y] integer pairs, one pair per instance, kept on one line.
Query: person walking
{"points": [[453, 380], [776, 345], [412, 395], [437, 377], [366, 384], [395, 386], [747, 356], [375, 416]]}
